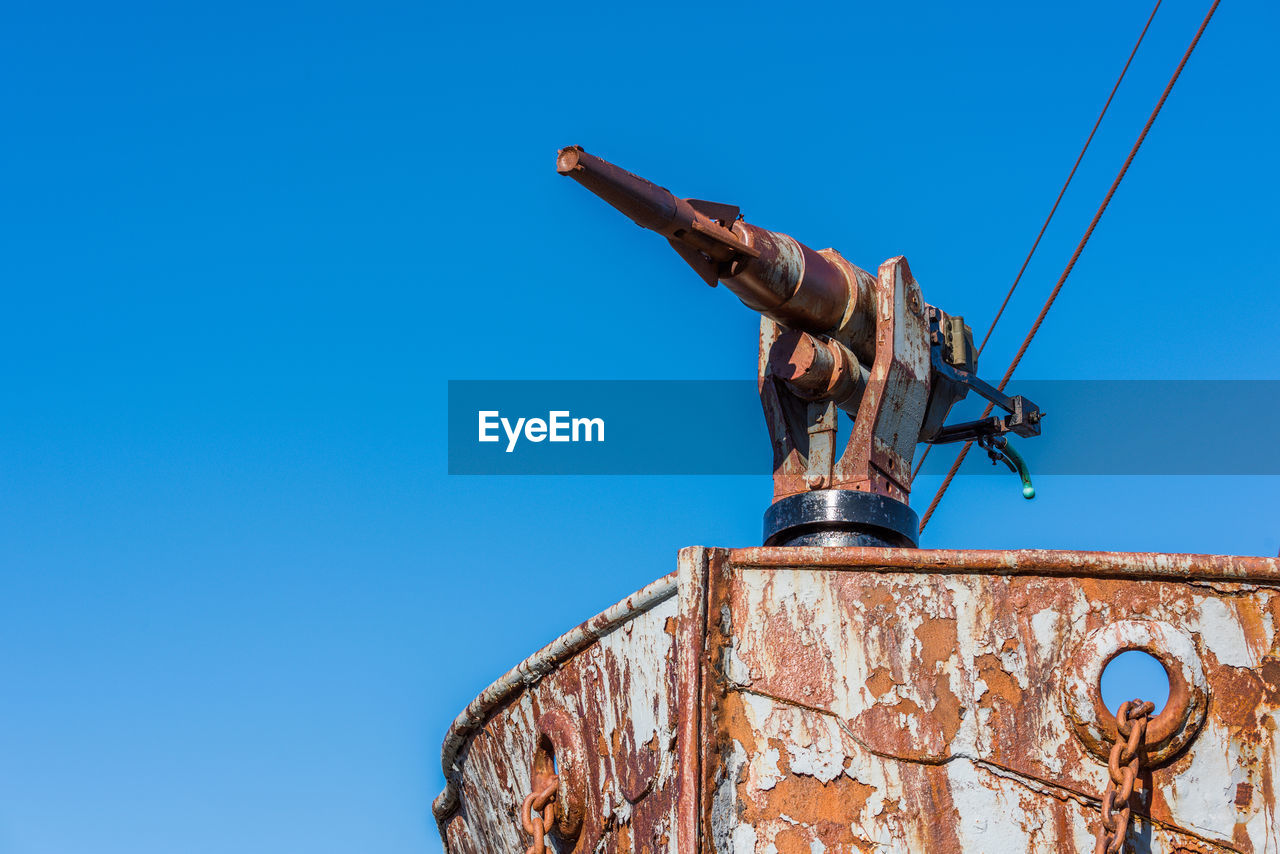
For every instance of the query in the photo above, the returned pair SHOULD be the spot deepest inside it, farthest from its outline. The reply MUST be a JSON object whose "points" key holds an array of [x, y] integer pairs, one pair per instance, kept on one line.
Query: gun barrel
{"points": [[770, 272], [647, 204], [708, 232]]}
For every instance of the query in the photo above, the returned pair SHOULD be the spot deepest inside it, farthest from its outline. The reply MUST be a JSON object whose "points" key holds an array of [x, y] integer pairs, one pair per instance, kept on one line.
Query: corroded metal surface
{"points": [[804, 378], [853, 700], [596, 705], [886, 428], [878, 707]]}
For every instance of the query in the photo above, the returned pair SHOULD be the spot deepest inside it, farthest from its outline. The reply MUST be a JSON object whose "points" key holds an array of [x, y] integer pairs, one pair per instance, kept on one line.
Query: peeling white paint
{"points": [[724, 803], [824, 765], [1221, 632], [990, 816], [744, 839], [764, 769], [1201, 796], [645, 651], [1044, 628], [735, 669]]}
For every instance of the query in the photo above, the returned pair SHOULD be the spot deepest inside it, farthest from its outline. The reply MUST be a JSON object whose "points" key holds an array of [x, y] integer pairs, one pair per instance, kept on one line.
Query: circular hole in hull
{"points": [[1134, 674]]}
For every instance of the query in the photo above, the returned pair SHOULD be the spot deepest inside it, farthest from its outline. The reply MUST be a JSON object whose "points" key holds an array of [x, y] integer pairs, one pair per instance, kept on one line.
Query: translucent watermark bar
{"points": [[675, 427]]}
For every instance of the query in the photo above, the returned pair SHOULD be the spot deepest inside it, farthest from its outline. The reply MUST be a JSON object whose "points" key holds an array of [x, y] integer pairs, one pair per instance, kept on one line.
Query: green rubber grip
{"points": [[1028, 489]]}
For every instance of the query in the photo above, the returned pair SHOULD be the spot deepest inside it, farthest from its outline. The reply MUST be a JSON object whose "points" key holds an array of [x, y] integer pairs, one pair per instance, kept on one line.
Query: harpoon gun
{"points": [[833, 338]]}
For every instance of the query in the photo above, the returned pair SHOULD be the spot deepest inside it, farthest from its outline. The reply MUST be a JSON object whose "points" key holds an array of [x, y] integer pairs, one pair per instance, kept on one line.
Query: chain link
{"points": [[539, 801], [1123, 766]]}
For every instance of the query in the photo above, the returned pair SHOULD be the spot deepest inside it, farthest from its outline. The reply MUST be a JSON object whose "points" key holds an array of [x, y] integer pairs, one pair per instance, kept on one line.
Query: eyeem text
{"points": [[556, 427]]}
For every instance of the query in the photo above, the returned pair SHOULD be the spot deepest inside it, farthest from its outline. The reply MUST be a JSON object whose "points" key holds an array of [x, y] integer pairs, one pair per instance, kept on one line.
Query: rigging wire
{"points": [[1075, 256], [1056, 202], [1070, 175]]}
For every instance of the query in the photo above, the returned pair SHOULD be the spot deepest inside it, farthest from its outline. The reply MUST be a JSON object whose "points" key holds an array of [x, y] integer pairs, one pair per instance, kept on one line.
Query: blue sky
{"points": [[246, 245]]}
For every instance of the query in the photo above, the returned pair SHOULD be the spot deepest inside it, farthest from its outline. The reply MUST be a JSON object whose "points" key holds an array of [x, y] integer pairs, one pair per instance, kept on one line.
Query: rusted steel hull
{"points": [[602, 700], [783, 700]]}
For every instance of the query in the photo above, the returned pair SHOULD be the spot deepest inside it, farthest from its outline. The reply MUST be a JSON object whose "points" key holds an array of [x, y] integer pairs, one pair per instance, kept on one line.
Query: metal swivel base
{"points": [[841, 517]]}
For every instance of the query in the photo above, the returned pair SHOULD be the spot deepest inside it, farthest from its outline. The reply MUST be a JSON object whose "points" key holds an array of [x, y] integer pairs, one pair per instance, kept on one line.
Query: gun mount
{"points": [[833, 338]]}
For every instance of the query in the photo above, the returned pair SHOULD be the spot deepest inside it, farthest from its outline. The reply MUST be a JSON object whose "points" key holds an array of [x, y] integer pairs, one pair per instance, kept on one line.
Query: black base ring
{"points": [[841, 517]]}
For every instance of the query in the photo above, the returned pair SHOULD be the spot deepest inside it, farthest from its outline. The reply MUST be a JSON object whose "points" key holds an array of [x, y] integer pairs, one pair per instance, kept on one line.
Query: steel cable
{"points": [[1056, 202], [1075, 256]]}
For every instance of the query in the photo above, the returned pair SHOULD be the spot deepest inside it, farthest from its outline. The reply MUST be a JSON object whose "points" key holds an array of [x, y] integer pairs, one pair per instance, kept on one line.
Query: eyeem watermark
{"points": [[557, 427], [715, 427]]}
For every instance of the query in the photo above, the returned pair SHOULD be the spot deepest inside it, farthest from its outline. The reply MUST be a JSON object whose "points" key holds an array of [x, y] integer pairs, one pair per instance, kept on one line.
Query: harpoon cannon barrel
{"points": [[771, 272]]}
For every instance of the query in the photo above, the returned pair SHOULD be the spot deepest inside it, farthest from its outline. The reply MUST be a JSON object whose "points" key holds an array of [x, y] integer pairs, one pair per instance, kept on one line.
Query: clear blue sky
{"points": [[246, 244]]}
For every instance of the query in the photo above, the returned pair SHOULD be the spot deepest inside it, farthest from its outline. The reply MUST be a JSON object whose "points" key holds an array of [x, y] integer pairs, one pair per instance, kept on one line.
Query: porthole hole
{"points": [[1134, 674], [545, 762]]}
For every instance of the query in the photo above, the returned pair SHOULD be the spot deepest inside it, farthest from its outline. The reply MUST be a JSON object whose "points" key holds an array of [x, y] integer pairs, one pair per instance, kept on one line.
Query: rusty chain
{"points": [[539, 801], [1123, 766]]}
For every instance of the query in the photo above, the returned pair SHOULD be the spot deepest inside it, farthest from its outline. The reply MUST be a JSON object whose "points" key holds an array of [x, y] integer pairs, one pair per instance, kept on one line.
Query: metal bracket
{"points": [[954, 365]]}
